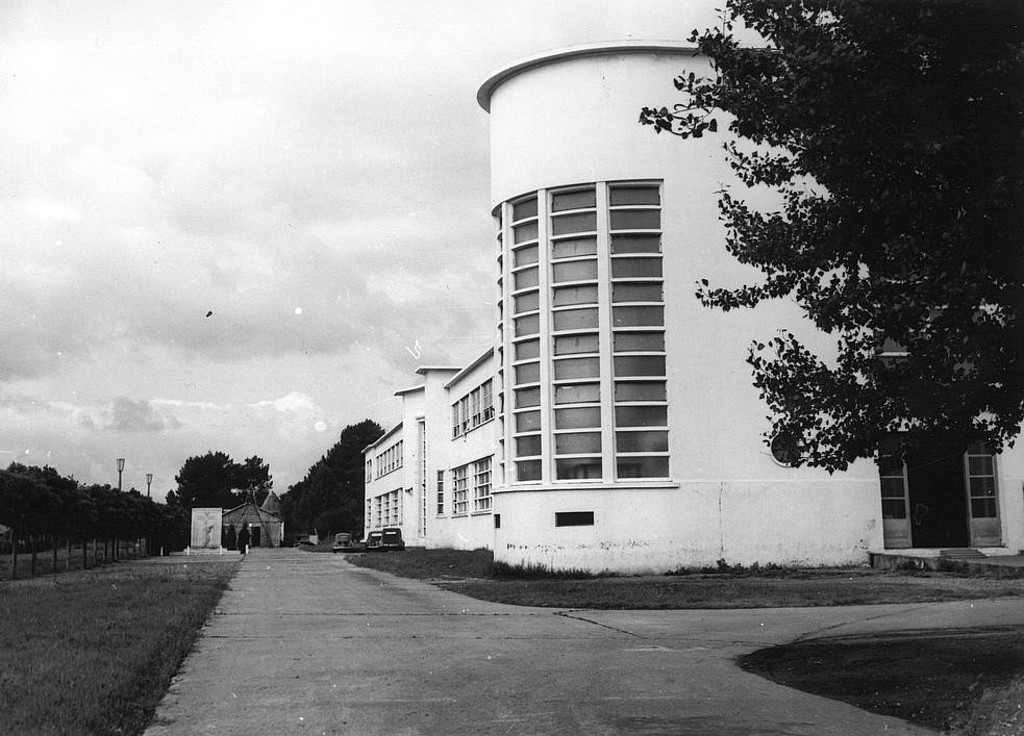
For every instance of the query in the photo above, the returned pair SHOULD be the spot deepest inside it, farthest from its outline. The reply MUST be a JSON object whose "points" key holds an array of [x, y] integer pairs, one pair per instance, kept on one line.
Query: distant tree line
{"points": [[46, 511], [332, 495]]}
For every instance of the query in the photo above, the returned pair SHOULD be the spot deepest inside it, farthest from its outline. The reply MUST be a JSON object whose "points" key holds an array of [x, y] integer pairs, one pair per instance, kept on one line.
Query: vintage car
{"points": [[343, 543], [385, 540]]}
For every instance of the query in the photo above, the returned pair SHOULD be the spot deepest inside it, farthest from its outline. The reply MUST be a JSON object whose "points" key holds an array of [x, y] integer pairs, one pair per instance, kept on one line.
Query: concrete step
{"points": [[961, 554]]}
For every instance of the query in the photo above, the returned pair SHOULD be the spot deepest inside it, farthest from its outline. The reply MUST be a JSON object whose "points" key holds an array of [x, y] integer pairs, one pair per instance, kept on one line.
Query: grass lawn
{"points": [[936, 679], [470, 573], [971, 682], [93, 652]]}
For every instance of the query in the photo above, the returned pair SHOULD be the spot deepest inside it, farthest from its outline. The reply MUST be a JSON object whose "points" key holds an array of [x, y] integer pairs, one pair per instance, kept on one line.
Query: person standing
{"points": [[243, 539]]}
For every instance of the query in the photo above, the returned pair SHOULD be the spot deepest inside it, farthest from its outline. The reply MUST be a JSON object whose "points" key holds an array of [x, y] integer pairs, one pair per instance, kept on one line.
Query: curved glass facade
{"points": [[581, 339]]}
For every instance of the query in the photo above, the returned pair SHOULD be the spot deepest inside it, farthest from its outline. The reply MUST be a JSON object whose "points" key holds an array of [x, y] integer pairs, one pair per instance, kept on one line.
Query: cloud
{"points": [[127, 415]]}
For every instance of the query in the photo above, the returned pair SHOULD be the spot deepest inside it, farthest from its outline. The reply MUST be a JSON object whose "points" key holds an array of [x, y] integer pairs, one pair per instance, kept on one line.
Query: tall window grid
{"points": [[473, 409], [460, 490], [582, 354], [482, 485]]}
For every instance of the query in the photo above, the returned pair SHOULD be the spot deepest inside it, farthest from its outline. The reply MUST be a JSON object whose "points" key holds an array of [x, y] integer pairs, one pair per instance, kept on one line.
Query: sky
{"points": [[241, 226]]}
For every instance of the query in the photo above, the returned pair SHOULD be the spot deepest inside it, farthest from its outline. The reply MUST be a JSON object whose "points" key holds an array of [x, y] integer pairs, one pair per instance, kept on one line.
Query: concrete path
{"points": [[305, 643]]}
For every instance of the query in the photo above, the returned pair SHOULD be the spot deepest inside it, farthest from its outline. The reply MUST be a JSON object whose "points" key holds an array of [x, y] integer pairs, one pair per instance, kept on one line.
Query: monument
{"points": [[206, 526]]}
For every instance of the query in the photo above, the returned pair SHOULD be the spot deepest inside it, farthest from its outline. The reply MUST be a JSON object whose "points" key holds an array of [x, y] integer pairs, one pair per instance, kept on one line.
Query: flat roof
{"points": [[480, 359], [603, 48]]}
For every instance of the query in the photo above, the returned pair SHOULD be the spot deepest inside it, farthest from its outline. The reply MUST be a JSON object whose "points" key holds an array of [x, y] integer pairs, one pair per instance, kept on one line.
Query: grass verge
{"points": [[936, 679], [474, 574], [93, 652]]}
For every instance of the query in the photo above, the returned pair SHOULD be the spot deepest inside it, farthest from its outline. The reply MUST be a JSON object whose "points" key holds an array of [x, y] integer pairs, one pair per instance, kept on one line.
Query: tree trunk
{"points": [[53, 543], [14, 555], [68, 543], [85, 554], [32, 547]]}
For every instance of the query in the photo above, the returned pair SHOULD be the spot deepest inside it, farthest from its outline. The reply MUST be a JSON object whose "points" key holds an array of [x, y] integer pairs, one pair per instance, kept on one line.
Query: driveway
{"points": [[306, 643]]}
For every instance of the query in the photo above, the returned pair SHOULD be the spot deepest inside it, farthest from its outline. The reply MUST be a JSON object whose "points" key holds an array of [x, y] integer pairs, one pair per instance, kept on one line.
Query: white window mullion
{"points": [[605, 332]]}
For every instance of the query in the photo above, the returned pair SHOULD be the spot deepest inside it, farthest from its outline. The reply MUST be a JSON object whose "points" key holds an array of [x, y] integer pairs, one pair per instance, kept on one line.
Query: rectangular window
{"points": [[627, 195], [573, 247], [981, 475], [524, 208], [635, 244], [626, 391], [637, 268], [526, 278], [573, 344], [528, 325], [635, 219], [578, 393], [527, 421], [571, 368], [893, 476], [568, 295], [527, 349], [639, 342], [573, 200], [524, 233], [528, 470], [460, 489], [575, 319], [440, 493], [639, 316], [578, 443], [574, 271], [579, 222], [482, 485], [641, 416], [527, 373], [574, 518], [578, 418], [639, 365], [527, 302], [642, 292], [525, 256]]}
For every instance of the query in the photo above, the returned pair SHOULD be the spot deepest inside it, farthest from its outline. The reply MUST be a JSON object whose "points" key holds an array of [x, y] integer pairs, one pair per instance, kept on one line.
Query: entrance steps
{"points": [[962, 554], [966, 560]]}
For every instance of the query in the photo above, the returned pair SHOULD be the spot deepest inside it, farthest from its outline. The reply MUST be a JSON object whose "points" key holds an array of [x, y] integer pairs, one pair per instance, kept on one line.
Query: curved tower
{"points": [[630, 436]]}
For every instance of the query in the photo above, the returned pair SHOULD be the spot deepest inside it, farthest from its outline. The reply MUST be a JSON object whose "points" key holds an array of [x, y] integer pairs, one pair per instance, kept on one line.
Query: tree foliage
{"points": [[215, 480], [331, 496], [892, 133], [39, 502]]}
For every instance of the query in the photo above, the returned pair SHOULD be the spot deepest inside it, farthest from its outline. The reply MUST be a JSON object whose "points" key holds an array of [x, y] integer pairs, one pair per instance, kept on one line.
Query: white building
{"points": [[625, 434]]}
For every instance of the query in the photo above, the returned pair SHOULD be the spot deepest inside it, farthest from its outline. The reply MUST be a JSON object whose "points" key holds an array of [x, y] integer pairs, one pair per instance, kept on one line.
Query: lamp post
{"points": [[120, 468], [149, 482]]}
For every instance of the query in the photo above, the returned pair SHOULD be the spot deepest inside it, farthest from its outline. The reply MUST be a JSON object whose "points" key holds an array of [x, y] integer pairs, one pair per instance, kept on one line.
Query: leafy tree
{"points": [[254, 477], [331, 496], [891, 132], [208, 481]]}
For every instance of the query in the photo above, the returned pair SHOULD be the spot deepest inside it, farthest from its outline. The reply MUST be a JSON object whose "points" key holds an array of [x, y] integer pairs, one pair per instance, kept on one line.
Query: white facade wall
{"points": [[473, 526], [570, 118]]}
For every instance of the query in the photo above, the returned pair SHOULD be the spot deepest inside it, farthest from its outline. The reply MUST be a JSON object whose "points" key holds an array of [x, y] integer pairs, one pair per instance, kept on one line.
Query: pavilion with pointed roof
{"points": [[265, 522]]}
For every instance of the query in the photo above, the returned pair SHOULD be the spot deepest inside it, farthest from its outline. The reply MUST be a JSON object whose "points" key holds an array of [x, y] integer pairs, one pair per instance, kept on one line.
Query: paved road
{"points": [[307, 644]]}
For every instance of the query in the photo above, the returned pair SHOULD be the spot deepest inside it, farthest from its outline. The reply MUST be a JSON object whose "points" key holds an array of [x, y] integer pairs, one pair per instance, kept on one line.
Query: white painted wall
{"points": [[471, 530], [572, 118]]}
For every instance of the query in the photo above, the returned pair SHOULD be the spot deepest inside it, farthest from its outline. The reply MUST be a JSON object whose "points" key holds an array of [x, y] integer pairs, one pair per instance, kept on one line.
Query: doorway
{"points": [[255, 537], [937, 497]]}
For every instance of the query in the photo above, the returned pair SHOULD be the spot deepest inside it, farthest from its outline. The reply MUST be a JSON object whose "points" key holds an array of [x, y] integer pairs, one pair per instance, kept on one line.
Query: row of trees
{"points": [[44, 509]]}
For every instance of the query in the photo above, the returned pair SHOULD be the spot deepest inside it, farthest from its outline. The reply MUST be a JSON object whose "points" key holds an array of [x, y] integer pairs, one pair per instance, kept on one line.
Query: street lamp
{"points": [[120, 467], [149, 482]]}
